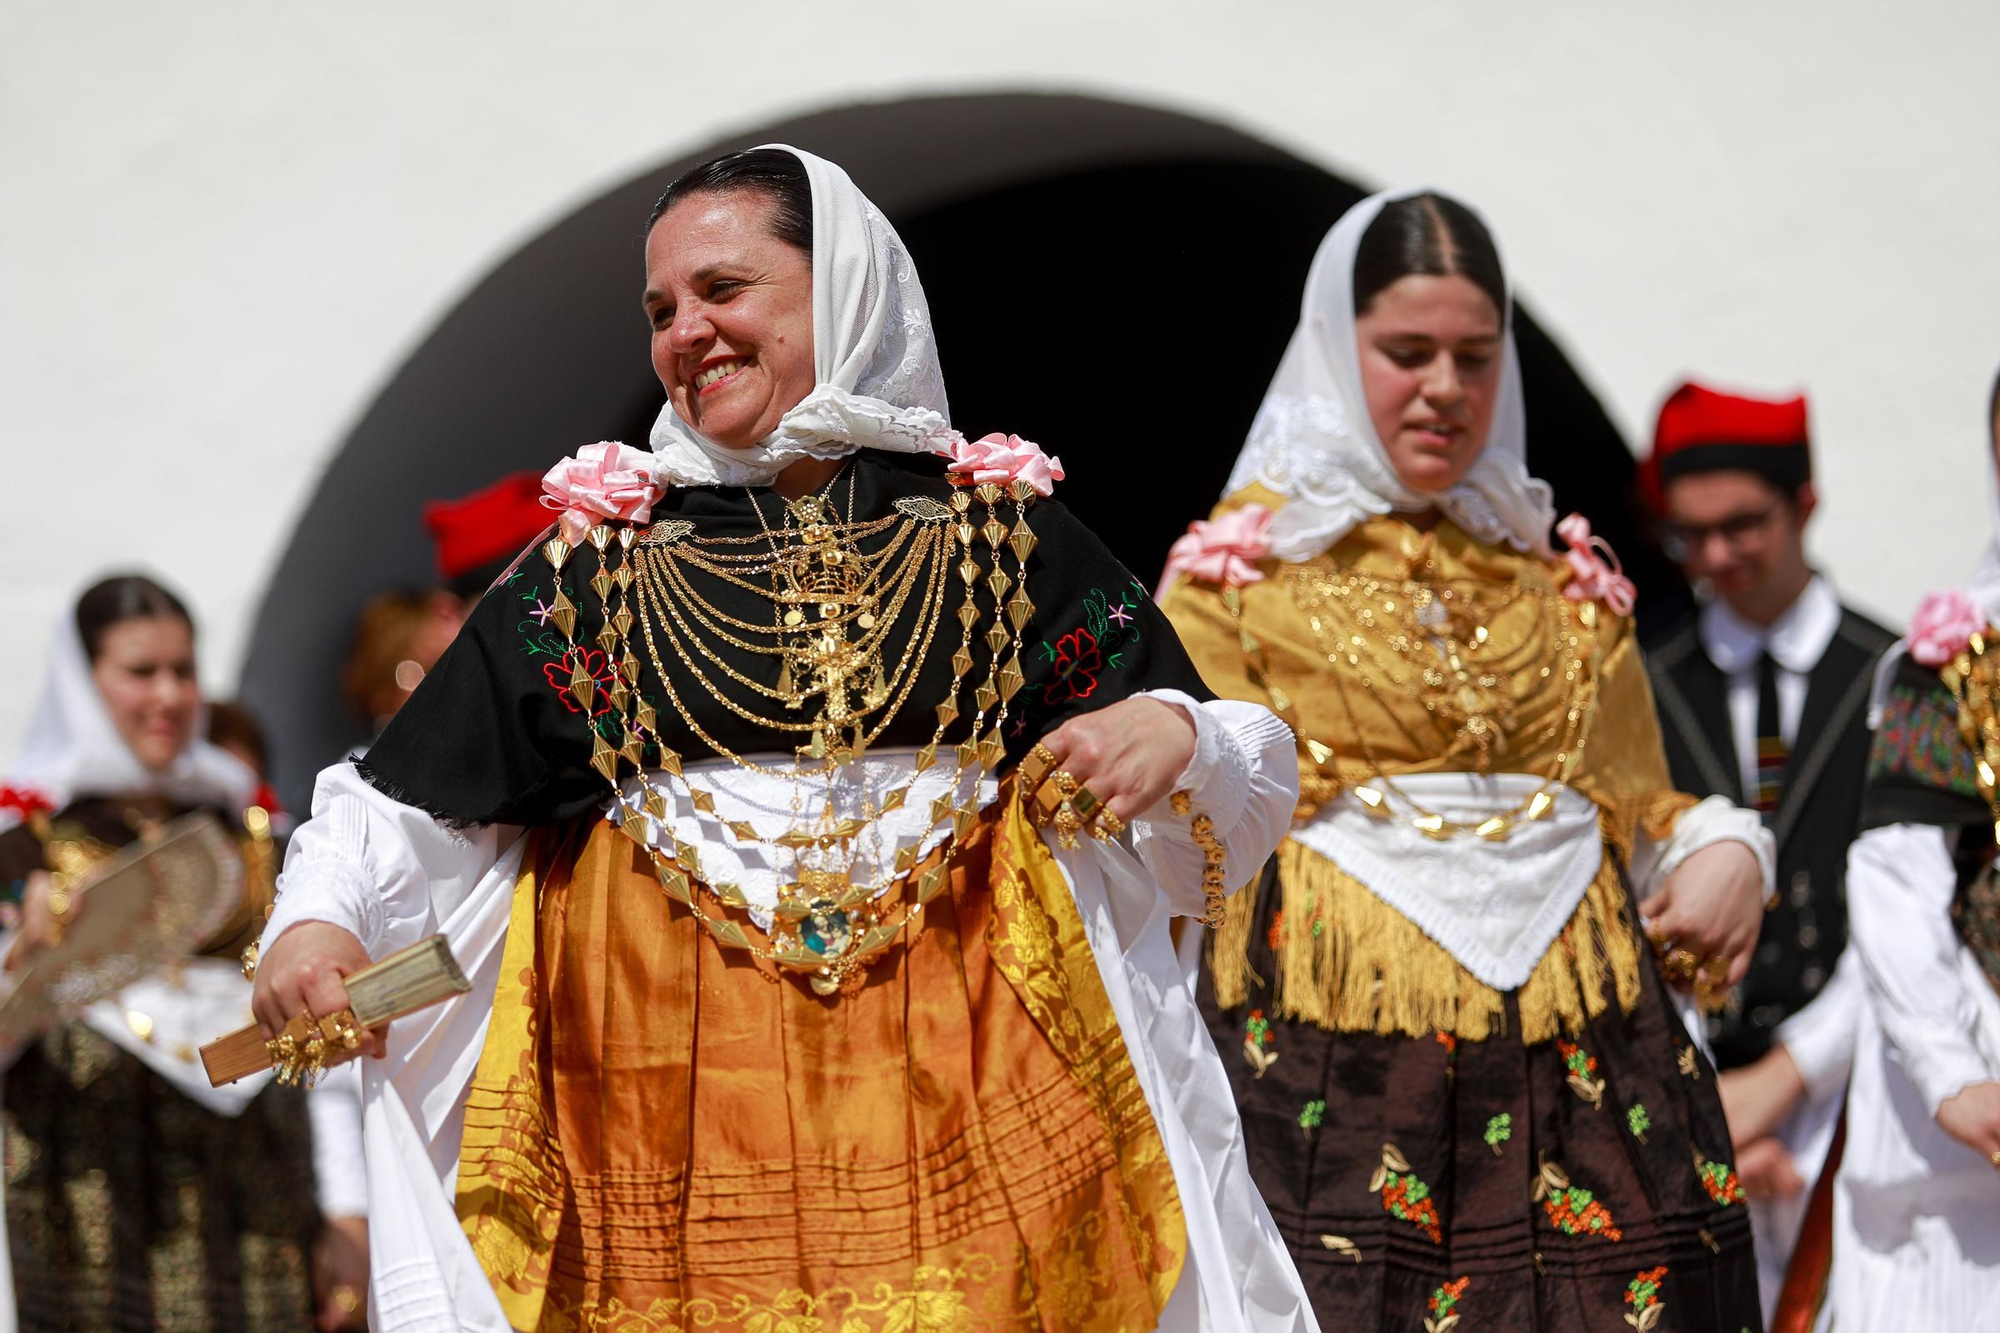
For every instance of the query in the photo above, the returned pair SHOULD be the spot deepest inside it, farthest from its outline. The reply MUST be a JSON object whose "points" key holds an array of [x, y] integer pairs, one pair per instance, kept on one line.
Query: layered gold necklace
{"points": [[1432, 639], [839, 684]]}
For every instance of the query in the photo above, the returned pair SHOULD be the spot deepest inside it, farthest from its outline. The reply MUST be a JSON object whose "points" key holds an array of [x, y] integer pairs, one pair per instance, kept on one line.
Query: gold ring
{"points": [[1085, 802], [1068, 825], [1995, 1159], [1679, 966], [344, 1299], [1036, 766], [1109, 825]]}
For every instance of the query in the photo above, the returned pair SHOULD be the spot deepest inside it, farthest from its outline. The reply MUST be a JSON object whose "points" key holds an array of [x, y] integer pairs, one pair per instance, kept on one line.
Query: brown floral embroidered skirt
{"points": [[1443, 1184]]}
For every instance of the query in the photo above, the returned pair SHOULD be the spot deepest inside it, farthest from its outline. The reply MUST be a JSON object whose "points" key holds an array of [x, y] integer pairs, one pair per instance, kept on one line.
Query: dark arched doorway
{"points": [[1114, 281]]}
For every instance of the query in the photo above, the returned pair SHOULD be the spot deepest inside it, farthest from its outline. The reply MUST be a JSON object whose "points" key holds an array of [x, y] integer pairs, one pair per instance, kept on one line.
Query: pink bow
{"points": [[604, 480], [1944, 624], [1594, 580], [1222, 550], [1003, 459]]}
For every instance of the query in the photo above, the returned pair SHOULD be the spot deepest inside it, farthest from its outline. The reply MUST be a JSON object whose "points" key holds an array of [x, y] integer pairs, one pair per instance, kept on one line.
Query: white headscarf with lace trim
{"points": [[72, 747], [1313, 443], [878, 384]]}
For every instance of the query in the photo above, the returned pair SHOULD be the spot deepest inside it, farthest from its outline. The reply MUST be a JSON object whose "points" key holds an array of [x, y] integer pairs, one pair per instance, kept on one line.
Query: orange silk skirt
{"points": [[664, 1134]]}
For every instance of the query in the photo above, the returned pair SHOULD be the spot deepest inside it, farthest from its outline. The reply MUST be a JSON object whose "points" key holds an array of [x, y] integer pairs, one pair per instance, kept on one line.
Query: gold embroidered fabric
{"points": [[664, 1135], [1370, 968]]}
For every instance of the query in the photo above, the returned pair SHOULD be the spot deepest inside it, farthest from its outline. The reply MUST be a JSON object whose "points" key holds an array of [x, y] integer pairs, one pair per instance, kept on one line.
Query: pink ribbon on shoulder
{"points": [[1002, 459], [604, 480], [1943, 626], [1598, 575], [1222, 550]]}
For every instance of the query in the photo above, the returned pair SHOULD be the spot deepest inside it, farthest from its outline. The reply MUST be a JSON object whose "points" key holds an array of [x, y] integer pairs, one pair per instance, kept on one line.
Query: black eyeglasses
{"points": [[1683, 539]]}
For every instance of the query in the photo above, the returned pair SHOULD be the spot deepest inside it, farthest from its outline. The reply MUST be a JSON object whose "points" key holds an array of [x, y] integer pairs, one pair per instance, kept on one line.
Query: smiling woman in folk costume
{"points": [[1466, 1092], [809, 818], [137, 1196]]}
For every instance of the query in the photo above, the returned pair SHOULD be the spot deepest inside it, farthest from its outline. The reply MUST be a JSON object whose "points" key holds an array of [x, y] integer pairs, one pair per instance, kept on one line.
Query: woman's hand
{"points": [[1129, 754], [340, 1274], [1973, 1118], [306, 971], [1711, 906], [45, 914], [1757, 1097], [1767, 1171]]}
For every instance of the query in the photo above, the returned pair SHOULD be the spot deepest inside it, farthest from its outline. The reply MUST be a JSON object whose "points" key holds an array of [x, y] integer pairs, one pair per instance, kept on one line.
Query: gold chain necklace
{"points": [[823, 922]]}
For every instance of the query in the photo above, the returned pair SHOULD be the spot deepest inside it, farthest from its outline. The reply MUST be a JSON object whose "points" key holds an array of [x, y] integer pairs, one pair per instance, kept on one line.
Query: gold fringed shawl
{"points": [[1368, 968], [664, 1136]]}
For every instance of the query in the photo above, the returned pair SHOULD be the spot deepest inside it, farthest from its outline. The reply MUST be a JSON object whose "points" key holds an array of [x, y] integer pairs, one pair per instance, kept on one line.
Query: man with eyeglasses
{"points": [[1763, 698]]}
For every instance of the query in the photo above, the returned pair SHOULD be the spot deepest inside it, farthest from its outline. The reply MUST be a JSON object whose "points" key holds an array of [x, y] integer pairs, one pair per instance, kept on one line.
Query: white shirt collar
{"points": [[1796, 640]]}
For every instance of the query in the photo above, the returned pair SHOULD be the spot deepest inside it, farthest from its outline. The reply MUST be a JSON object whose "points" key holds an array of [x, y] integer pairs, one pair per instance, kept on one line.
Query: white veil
{"points": [[72, 748], [1312, 441], [878, 383]]}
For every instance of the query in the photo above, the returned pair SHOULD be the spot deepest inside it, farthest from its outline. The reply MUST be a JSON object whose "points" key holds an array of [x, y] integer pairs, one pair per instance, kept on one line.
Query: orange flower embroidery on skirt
{"points": [[1582, 1066], [1444, 1306], [1572, 1210], [1403, 1195], [1643, 1295], [1257, 1041], [1719, 1179]]}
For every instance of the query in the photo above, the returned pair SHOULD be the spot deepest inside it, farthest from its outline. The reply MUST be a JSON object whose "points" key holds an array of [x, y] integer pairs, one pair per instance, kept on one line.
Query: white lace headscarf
{"points": [[72, 748], [1313, 442], [878, 383]]}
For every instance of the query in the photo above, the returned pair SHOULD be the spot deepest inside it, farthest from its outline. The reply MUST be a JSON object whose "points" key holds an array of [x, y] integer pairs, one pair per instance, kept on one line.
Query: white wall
{"points": [[226, 222]]}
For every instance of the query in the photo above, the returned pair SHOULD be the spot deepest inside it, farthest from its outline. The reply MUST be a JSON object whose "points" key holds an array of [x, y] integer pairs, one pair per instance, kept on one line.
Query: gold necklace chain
{"points": [[823, 922]]}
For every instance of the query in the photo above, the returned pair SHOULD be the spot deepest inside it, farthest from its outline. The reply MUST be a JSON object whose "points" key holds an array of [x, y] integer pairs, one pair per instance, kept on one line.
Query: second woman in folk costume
{"points": [[809, 820], [1466, 1090]]}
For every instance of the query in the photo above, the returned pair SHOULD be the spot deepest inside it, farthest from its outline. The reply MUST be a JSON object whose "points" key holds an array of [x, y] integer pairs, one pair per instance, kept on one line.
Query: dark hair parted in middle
{"points": [[120, 598], [1426, 235], [777, 175]]}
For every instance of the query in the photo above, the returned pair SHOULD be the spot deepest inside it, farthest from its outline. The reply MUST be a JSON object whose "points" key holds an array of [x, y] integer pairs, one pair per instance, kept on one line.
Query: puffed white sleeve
{"points": [[1900, 881], [1820, 1037], [1244, 776], [385, 871], [1707, 822]]}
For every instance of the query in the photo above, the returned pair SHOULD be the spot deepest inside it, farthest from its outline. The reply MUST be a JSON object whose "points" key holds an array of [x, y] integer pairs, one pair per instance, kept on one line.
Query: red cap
{"points": [[1703, 430], [490, 525]]}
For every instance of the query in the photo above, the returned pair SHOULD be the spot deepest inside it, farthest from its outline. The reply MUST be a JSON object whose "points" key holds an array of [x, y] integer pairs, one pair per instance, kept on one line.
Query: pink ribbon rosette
{"points": [[1598, 575], [604, 480], [1222, 550], [1943, 627], [1003, 459]]}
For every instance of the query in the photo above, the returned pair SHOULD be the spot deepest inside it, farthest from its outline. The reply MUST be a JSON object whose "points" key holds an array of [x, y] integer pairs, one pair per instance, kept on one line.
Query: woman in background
{"points": [[1465, 1089]]}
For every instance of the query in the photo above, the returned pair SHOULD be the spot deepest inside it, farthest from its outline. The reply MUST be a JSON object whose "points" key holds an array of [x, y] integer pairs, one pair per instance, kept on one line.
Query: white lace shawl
{"points": [[879, 385], [1313, 444]]}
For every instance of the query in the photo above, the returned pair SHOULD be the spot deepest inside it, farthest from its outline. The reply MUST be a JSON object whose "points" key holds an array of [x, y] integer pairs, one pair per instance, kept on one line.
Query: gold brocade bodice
{"points": [[1400, 651]]}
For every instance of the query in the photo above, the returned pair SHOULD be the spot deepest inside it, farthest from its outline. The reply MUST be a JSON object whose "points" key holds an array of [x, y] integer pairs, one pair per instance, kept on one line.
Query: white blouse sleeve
{"points": [[385, 871], [1820, 1037], [340, 1173], [1900, 882], [1708, 822], [1244, 776]]}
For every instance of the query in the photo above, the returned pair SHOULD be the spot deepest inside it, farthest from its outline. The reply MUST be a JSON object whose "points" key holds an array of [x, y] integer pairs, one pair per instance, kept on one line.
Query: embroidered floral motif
{"points": [[1638, 1121], [1689, 1066], [1919, 738], [1078, 663], [1257, 1041], [1498, 1130], [538, 637], [1444, 1303], [1572, 1210], [1342, 1245], [1642, 1293], [1276, 935], [1404, 1196], [1312, 1115], [1094, 647], [1450, 1044], [1582, 1067], [596, 665], [1719, 1179]]}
